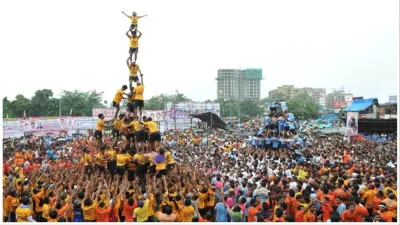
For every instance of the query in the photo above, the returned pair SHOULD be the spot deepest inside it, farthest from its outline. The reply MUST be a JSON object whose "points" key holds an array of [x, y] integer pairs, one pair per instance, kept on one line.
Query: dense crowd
{"points": [[195, 177]]}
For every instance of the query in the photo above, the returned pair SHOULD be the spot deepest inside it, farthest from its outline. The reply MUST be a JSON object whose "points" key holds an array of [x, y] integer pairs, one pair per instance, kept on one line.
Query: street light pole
{"points": [[60, 105]]}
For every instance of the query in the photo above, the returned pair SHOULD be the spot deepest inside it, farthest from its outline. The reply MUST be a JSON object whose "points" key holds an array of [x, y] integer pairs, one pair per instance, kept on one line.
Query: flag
{"points": [[70, 113], [24, 115], [7, 116]]}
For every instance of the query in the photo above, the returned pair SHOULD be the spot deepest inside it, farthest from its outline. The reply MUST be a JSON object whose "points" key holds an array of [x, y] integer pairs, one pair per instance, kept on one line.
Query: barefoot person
{"points": [[133, 69], [134, 44], [98, 133], [134, 19], [139, 100], [118, 99]]}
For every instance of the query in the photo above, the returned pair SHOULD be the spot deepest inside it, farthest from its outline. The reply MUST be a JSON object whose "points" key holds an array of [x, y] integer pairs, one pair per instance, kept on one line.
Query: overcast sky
{"points": [[67, 45]]}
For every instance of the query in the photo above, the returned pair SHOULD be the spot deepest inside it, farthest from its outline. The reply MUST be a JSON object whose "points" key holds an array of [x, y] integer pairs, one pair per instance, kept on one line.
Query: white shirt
{"points": [[288, 173]]}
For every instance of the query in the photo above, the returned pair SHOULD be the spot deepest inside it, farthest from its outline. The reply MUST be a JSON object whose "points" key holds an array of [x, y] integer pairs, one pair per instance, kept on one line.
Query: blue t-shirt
{"points": [[78, 215], [50, 154], [221, 212]]}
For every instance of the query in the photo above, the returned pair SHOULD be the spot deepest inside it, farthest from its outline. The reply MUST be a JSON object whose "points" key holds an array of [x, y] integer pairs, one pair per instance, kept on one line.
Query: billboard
{"points": [[352, 124], [182, 110], [337, 104], [46, 124], [348, 98], [109, 113]]}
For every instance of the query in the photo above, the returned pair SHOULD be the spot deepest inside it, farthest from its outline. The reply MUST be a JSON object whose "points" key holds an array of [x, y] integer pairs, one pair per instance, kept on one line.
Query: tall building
{"points": [[338, 99], [239, 84], [287, 92]]}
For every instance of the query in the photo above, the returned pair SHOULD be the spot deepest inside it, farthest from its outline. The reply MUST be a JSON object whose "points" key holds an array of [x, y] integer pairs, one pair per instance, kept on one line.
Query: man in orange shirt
{"points": [[252, 211], [384, 212], [290, 201], [361, 211], [349, 215], [103, 213], [368, 198]]}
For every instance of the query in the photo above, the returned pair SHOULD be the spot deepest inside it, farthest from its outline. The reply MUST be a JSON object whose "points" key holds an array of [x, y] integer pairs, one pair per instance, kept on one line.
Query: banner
{"points": [[109, 113], [352, 124], [182, 110], [337, 104], [35, 124]]}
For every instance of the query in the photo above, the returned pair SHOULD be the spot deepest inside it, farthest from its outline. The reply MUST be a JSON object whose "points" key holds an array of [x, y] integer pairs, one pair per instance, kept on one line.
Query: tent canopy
{"points": [[360, 104], [211, 118]]}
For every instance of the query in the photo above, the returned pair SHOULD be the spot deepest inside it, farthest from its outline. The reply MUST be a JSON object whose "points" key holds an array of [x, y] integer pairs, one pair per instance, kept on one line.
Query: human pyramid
{"points": [[134, 130]]}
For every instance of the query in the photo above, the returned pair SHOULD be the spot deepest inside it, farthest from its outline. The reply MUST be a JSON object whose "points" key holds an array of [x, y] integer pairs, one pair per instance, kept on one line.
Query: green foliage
{"points": [[159, 102], [303, 106], [244, 109], [44, 104]]}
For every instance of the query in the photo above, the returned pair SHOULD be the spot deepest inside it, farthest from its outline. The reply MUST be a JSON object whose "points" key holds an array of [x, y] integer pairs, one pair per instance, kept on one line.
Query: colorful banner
{"points": [[109, 113], [337, 104], [182, 110], [352, 124], [35, 124]]}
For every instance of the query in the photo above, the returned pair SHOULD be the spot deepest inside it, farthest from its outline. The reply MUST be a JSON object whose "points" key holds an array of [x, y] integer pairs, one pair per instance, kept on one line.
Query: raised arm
{"points": [[140, 34], [125, 14], [142, 16], [141, 78], [127, 34]]}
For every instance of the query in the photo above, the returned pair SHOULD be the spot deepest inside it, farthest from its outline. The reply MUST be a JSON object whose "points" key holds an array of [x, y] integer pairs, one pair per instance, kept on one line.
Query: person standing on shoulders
{"points": [[134, 20], [118, 99], [134, 44], [139, 99]]}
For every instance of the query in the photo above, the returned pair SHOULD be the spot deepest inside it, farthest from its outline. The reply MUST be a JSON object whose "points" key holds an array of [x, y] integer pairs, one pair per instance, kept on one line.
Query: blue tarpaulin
{"points": [[360, 105]]}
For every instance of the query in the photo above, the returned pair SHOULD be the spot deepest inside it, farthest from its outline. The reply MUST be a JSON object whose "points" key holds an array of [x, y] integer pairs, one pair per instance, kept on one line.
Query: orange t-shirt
{"points": [[103, 215], [252, 213], [290, 201], [361, 211], [386, 216], [299, 217], [348, 216], [128, 210], [326, 212]]}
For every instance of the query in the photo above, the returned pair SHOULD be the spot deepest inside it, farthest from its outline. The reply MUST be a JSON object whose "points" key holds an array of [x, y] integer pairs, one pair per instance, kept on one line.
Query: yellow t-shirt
{"points": [[152, 126], [122, 159], [100, 125], [137, 125], [188, 213], [139, 158], [139, 92], [87, 159], [168, 156], [133, 69], [89, 211], [117, 124], [160, 166], [118, 96], [131, 98], [22, 214], [131, 165], [142, 214], [201, 201], [112, 153], [152, 204], [46, 211], [100, 159], [134, 19], [134, 42]]}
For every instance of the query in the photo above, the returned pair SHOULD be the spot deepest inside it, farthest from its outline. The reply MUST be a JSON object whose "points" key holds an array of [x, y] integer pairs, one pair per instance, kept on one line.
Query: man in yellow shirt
{"points": [[111, 155], [141, 213], [98, 133], [139, 99], [118, 99], [170, 160], [117, 126], [100, 160], [23, 212], [134, 20], [153, 132], [122, 160], [134, 44], [133, 69]]}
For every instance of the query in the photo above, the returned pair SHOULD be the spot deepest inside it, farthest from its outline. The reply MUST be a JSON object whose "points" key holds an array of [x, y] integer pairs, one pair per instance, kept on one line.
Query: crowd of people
{"points": [[189, 176], [139, 175]]}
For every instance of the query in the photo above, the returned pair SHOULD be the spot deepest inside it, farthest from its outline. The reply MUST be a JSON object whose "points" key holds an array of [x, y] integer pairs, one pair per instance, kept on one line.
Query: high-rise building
{"points": [[238, 84], [287, 92]]}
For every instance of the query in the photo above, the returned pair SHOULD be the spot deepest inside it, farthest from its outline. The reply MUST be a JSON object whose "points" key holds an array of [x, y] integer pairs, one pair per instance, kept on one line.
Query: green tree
{"points": [[249, 109], [81, 103], [42, 104], [19, 105], [7, 108], [303, 106], [159, 102]]}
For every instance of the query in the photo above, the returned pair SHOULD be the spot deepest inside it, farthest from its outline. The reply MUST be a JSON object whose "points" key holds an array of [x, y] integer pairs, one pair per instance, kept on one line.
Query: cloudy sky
{"points": [[67, 45]]}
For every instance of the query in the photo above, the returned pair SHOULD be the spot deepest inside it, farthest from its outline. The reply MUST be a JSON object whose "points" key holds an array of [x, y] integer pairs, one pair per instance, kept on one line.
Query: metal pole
{"points": [[211, 122], [60, 105]]}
